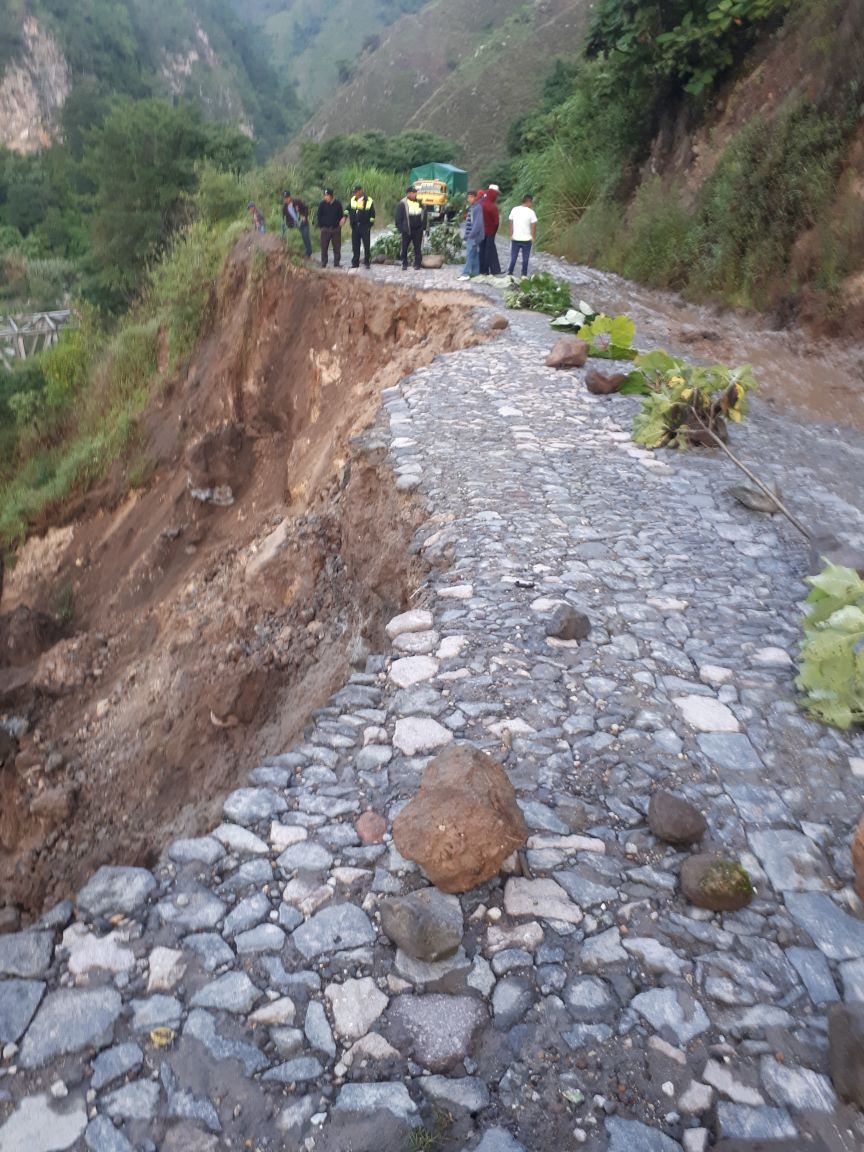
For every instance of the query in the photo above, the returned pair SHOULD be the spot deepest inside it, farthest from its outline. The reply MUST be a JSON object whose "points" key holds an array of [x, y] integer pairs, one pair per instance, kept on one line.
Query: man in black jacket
{"points": [[410, 219], [330, 219], [361, 211]]}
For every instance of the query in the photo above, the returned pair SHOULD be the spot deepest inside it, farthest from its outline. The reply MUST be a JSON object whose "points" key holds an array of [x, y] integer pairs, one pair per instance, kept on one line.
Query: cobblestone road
{"points": [[242, 994]]}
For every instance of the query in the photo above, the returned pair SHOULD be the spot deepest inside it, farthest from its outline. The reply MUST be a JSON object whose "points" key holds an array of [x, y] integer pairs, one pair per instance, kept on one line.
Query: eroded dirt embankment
{"points": [[203, 633]]}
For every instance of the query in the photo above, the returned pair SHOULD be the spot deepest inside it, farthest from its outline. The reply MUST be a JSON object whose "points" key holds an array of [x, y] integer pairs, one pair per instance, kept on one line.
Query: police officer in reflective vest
{"points": [[361, 212]]}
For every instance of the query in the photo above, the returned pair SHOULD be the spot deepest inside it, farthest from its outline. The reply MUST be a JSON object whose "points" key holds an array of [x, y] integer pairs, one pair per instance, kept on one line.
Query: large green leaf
{"points": [[831, 665], [835, 580], [622, 331]]}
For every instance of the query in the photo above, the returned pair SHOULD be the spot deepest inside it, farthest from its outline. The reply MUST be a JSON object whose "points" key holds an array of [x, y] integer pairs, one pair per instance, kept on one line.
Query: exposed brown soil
{"points": [[203, 634]]}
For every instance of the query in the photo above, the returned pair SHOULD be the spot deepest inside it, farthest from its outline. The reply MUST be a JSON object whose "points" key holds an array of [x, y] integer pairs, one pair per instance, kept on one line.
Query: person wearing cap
{"points": [[490, 265], [410, 219], [330, 219], [361, 212]]}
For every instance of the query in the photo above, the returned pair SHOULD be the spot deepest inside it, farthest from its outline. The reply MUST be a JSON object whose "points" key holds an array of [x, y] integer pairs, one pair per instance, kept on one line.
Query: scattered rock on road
{"points": [[566, 623], [601, 384], [463, 823], [715, 883], [675, 820], [427, 924], [568, 352]]}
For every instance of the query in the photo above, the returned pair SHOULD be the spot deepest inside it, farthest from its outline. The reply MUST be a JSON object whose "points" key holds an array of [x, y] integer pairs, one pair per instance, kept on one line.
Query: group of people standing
{"points": [[330, 218], [482, 223]]}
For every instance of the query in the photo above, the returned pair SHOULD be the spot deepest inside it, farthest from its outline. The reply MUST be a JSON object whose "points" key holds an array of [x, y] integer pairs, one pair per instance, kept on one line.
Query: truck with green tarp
{"points": [[437, 185]]}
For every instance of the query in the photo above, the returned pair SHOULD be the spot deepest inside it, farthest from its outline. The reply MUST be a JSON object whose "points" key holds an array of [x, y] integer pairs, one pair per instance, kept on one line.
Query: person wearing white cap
{"points": [[489, 262]]}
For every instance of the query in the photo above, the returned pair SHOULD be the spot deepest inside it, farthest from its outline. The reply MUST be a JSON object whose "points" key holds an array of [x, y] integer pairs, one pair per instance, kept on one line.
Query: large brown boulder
{"points": [[858, 860], [568, 352], [463, 823]]}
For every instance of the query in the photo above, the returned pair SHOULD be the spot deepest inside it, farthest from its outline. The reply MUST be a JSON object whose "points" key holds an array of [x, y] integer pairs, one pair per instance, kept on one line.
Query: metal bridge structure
{"points": [[24, 336]]}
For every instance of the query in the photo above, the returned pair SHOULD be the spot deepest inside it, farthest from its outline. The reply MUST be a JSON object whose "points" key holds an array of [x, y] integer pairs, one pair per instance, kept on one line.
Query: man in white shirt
{"points": [[523, 233]]}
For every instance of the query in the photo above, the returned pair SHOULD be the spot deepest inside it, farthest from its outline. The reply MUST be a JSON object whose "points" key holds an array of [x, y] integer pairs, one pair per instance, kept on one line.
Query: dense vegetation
{"points": [[656, 67]]}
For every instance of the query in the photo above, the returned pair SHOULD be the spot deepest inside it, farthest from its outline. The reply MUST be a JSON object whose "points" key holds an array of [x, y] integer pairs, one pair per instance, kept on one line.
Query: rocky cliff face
{"points": [[33, 91]]}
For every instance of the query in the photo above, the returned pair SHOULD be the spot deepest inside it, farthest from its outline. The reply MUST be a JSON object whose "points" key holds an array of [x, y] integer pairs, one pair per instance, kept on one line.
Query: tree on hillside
{"points": [[143, 165], [363, 149]]}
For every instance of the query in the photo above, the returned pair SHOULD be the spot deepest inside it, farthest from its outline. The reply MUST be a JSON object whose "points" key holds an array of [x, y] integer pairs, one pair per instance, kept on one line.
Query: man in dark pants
{"points": [[330, 219], [523, 233], [303, 213], [410, 221], [361, 212]]}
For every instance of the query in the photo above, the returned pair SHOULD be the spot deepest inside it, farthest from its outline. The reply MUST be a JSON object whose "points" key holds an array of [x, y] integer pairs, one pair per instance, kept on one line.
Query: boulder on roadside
{"points": [[713, 882], [566, 623], [463, 823], [846, 1051], [499, 323], [426, 924], [858, 859], [601, 384], [568, 352], [674, 819]]}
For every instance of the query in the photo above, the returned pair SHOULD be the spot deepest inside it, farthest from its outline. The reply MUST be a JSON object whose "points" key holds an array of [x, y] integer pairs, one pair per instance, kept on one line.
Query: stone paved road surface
{"points": [[242, 994]]}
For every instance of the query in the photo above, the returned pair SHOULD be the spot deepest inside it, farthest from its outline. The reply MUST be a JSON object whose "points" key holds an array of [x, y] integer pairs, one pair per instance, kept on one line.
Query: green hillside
{"points": [[463, 68], [319, 44]]}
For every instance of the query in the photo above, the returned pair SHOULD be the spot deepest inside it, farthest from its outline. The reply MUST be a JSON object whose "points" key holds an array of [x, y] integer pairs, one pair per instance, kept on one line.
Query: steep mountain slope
{"points": [[463, 68], [172, 48], [316, 44]]}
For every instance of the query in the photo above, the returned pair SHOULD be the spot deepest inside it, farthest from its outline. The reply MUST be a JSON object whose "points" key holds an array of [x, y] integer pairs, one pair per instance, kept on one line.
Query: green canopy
{"points": [[456, 179]]}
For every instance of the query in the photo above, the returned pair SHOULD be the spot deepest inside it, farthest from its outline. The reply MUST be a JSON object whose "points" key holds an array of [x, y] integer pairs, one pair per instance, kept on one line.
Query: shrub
{"points": [[180, 286], [68, 365], [539, 293], [658, 238], [772, 183]]}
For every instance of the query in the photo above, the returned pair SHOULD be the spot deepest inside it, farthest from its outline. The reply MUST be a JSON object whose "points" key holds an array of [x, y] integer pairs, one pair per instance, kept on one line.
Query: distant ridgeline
{"points": [[53, 52]]}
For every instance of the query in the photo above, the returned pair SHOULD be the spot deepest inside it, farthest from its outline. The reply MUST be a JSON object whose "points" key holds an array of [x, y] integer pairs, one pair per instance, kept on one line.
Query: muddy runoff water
{"points": [[816, 377]]}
